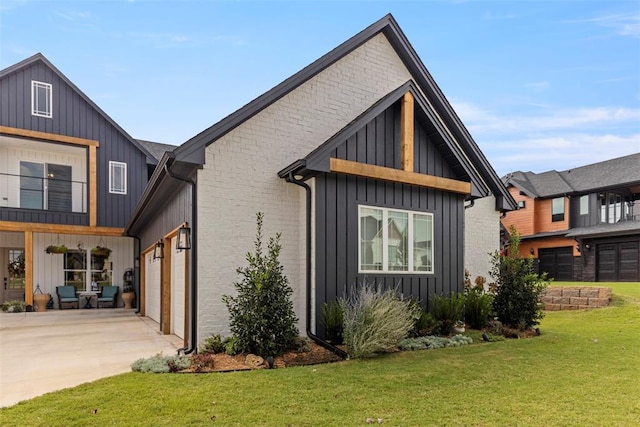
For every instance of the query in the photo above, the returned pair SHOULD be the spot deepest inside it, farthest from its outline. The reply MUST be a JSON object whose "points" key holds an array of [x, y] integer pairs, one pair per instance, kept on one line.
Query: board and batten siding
{"points": [[240, 178], [73, 116], [337, 198]]}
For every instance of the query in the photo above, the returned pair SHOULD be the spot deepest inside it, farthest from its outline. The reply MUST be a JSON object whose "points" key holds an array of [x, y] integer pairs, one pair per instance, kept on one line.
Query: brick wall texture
{"points": [[240, 178], [481, 237]]}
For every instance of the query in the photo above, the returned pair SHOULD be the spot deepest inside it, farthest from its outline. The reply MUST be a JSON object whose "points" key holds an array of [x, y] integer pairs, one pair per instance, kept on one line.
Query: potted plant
{"points": [[128, 293], [56, 249], [101, 252]]}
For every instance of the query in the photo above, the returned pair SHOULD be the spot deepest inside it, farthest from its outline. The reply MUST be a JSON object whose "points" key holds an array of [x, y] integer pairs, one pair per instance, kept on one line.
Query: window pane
{"points": [[557, 209], [59, 188], [31, 186], [398, 239], [75, 269], [117, 178], [370, 239], [584, 205], [422, 242]]}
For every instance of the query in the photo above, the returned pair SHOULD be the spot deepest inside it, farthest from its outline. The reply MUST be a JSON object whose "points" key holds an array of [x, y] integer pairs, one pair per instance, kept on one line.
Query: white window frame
{"points": [[123, 168], [36, 103], [385, 241]]}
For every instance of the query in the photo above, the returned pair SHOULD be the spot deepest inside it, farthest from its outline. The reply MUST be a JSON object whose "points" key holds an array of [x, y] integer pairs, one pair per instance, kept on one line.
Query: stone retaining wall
{"points": [[575, 297]]}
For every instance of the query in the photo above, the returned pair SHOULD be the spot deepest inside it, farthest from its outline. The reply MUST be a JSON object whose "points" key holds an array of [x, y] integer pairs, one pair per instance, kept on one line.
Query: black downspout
{"points": [[137, 279], [291, 178], [193, 295]]}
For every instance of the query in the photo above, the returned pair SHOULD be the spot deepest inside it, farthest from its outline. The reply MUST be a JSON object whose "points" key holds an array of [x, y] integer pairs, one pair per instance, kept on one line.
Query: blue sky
{"points": [[540, 84]]}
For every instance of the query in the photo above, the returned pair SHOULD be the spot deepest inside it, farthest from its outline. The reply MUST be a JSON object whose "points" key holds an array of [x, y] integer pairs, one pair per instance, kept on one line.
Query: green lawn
{"points": [[583, 370]]}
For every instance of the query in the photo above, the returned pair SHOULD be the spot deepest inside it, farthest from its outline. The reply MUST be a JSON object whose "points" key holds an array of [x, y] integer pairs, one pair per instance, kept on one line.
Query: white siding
{"points": [[49, 273], [152, 286], [240, 173], [481, 236]]}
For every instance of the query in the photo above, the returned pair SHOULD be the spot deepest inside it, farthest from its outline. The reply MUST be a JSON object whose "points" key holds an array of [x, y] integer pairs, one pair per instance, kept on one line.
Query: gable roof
{"points": [[193, 149], [318, 159], [38, 57], [594, 177], [157, 149]]}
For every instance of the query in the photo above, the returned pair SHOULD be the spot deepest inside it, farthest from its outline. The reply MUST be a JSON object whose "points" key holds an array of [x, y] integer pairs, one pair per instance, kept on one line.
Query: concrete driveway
{"points": [[44, 352]]}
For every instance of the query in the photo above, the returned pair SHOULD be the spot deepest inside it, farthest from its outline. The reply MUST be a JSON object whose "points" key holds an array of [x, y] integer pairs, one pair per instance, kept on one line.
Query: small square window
{"points": [[522, 204], [41, 99], [117, 178]]}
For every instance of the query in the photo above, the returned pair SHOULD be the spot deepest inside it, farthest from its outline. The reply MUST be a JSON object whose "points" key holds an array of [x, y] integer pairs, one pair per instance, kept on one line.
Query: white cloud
{"points": [[73, 15], [625, 24]]}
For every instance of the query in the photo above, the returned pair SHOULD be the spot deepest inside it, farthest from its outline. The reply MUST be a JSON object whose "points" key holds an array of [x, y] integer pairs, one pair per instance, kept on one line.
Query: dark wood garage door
{"points": [[618, 262], [557, 262]]}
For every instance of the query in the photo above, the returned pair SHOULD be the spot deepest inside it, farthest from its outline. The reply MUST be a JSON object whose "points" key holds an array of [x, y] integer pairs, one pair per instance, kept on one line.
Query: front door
{"points": [[13, 274]]}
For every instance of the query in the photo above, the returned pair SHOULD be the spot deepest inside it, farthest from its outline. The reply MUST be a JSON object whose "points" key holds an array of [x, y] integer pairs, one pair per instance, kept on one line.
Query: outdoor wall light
{"points": [[184, 237], [158, 250], [587, 246], [532, 251]]}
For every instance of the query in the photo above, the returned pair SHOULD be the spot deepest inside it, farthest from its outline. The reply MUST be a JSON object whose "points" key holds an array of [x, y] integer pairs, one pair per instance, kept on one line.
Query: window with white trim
{"points": [[117, 178], [584, 205], [394, 241], [41, 99]]}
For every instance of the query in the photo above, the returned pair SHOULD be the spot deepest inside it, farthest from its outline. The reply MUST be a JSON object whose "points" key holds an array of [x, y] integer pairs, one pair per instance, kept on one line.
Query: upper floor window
{"points": [[117, 178], [522, 204], [41, 99], [557, 209], [394, 240], [584, 205], [611, 208]]}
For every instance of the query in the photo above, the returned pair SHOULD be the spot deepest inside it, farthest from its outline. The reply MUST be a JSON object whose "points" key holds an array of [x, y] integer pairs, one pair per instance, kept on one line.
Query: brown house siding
{"points": [[542, 219]]}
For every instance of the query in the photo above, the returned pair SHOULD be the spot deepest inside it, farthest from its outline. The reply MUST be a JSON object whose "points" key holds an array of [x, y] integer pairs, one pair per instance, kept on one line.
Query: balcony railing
{"points": [[48, 194]]}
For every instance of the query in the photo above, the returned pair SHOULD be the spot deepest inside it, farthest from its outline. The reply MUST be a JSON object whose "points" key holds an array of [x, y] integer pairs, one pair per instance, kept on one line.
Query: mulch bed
{"points": [[223, 362]]}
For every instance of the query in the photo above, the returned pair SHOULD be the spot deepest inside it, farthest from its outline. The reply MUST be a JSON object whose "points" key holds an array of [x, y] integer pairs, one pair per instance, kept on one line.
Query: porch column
{"points": [[28, 271]]}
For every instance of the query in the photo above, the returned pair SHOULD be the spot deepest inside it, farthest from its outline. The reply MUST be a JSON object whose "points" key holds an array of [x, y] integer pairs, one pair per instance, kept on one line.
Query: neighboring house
{"points": [[581, 224], [69, 175], [358, 160]]}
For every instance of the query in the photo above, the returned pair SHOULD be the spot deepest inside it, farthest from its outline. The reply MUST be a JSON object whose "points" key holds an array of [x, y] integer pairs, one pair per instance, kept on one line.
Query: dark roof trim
{"points": [[318, 159], [40, 57], [625, 228], [193, 149], [545, 234]]}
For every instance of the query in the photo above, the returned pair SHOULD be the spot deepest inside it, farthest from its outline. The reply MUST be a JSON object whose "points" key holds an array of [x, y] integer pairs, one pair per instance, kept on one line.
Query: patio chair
{"points": [[67, 295], [109, 295]]}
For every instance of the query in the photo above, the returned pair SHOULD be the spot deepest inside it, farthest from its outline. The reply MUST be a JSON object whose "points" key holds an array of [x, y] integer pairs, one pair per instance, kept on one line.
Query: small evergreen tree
{"points": [[517, 301], [261, 315]]}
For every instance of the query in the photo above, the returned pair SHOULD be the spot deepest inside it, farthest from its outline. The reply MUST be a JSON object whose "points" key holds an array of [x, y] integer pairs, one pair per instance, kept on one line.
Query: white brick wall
{"points": [[240, 174], [482, 236]]}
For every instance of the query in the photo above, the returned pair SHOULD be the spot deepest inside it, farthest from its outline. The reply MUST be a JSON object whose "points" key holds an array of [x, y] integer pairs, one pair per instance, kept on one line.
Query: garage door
{"points": [[152, 287], [618, 262], [557, 262], [177, 289]]}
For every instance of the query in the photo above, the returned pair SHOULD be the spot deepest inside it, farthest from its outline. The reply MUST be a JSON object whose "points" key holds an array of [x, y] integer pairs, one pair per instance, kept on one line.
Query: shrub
{"points": [[431, 342], [447, 311], [261, 315], [375, 320], [478, 307], [203, 362], [517, 301], [333, 320], [213, 344], [230, 346], [161, 364], [424, 323], [13, 306]]}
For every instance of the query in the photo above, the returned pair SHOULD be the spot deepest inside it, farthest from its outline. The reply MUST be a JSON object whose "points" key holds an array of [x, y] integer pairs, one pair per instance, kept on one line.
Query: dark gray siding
{"points": [[48, 217], [589, 220], [176, 210], [338, 197], [73, 116]]}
